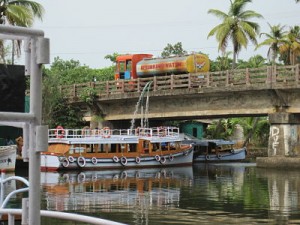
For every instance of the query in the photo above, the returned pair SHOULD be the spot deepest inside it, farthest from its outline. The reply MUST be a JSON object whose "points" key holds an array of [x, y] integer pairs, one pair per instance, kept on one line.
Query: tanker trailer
{"points": [[194, 63]]}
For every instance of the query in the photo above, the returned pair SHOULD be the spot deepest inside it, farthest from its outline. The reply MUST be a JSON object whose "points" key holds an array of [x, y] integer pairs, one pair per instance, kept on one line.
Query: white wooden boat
{"points": [[8, 156], [103, 149]]}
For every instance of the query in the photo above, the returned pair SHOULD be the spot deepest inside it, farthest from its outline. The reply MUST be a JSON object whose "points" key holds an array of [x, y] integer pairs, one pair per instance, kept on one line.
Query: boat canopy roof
{"points": [[217, 142]]}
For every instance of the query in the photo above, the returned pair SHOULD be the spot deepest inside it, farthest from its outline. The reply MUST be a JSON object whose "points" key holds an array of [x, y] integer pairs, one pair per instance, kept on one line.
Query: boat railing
{"points": [[60, 133]]}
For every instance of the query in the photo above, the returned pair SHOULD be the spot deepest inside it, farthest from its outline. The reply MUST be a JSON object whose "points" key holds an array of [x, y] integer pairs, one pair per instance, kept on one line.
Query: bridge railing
{"points": [[265, 76]]}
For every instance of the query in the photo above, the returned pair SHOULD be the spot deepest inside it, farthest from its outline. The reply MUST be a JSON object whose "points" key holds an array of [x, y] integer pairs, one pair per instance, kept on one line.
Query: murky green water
{"points": [[203, 194]]}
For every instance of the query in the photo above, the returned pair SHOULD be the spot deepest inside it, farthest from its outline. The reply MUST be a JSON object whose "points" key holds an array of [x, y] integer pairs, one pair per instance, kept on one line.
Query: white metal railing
{"points": [[58, 215], [60, 132], [24, 211]]}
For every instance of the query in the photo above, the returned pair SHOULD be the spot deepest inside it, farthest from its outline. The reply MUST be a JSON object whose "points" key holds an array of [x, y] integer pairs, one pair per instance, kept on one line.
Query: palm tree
{"points": [[18, 13], [290, 50], [255, 61], [274, 39], [235, 26]]}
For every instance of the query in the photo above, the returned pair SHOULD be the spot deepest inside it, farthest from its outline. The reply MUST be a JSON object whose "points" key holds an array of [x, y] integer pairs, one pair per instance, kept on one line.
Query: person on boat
{"points": [[19, 142]]}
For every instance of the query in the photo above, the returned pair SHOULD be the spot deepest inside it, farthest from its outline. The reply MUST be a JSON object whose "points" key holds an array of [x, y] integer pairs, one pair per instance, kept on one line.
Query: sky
{"points": [[89, 30]]}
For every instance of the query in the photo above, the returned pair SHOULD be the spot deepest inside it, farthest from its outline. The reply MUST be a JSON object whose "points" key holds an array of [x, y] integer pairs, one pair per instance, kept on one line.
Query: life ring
{"points": [[71, 159], [162, 131], [157, 158], [219, 156], [163, 160], [106, 132], [207, 157], [81, 161], [94, 160], [65, 162], [138, 160], [171, 157], [123, 160], [60, 132], [115, 159]]}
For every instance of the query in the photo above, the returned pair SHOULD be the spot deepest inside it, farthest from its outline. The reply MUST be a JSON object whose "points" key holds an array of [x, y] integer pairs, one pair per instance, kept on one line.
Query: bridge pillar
{"points": [[284, 142]]}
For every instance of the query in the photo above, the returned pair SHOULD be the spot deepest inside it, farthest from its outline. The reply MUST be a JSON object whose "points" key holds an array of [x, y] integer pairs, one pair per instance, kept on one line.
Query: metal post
{"points": [[34, 155], [24, 211]]}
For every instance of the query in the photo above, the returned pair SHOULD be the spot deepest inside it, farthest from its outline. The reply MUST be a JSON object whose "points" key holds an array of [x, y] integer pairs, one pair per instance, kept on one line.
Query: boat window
{"points": [[74, 149], [114, 147], [164, 146], [102, 148], [123, 147], [71, 150], [173, 145], [156, 147], [89, 148], [132, 147]]}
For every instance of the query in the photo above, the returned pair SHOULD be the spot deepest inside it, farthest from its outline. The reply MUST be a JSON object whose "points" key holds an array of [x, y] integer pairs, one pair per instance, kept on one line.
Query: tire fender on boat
{"points": [[106, 132], [138, 160], [94, 160], [171, 157], [60, 132], [163, 160], [81, 161], [123, 160], [71, 159], [219, 156], [115, 159], [65, 162], [232, 151], [157, 158], [207, 157]]}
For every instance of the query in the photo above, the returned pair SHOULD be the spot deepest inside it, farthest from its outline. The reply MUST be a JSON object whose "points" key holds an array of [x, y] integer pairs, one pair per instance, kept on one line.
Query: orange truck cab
{"points": [[126, 65]]}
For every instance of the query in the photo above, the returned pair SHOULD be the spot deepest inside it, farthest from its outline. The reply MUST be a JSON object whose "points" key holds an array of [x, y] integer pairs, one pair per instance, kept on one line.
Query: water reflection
{"points": [[284, 198], [131, 193], [236, 193]]}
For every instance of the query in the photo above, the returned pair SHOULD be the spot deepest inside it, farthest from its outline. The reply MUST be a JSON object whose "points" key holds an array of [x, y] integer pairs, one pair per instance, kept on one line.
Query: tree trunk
{"points": [[250, 134]]}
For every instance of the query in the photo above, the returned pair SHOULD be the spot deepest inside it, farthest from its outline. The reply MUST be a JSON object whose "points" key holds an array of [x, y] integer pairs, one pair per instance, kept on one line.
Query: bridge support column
{"points": [[284, 142]]}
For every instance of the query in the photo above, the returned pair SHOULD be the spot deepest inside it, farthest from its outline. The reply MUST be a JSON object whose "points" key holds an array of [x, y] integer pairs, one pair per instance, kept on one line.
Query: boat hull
{"points": [[8, 155], [234, 155], [54, 162]]}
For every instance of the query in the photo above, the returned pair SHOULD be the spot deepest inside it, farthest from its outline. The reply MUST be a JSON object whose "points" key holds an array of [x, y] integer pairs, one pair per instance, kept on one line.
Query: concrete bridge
{"points": [[269, 91]]}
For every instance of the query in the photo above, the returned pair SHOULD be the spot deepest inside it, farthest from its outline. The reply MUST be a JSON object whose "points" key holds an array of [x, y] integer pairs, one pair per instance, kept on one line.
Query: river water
{"points": [[236, 193]]}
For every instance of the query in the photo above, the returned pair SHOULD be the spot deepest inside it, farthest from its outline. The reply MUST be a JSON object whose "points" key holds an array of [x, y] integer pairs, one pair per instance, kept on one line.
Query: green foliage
{"points": [[67, 115], [221, 63], [236, 27], [175, 49], [18, 13], [255, 129], [253, 62], [290, 49], [88, 94], [72, 72], [56, 111], [112, 57], [274, 39]]}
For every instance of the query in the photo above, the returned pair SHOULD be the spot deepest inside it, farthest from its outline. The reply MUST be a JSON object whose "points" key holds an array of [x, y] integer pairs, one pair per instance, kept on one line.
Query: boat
{"points": [[105, 148], [8, 155], [218, 150]]}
